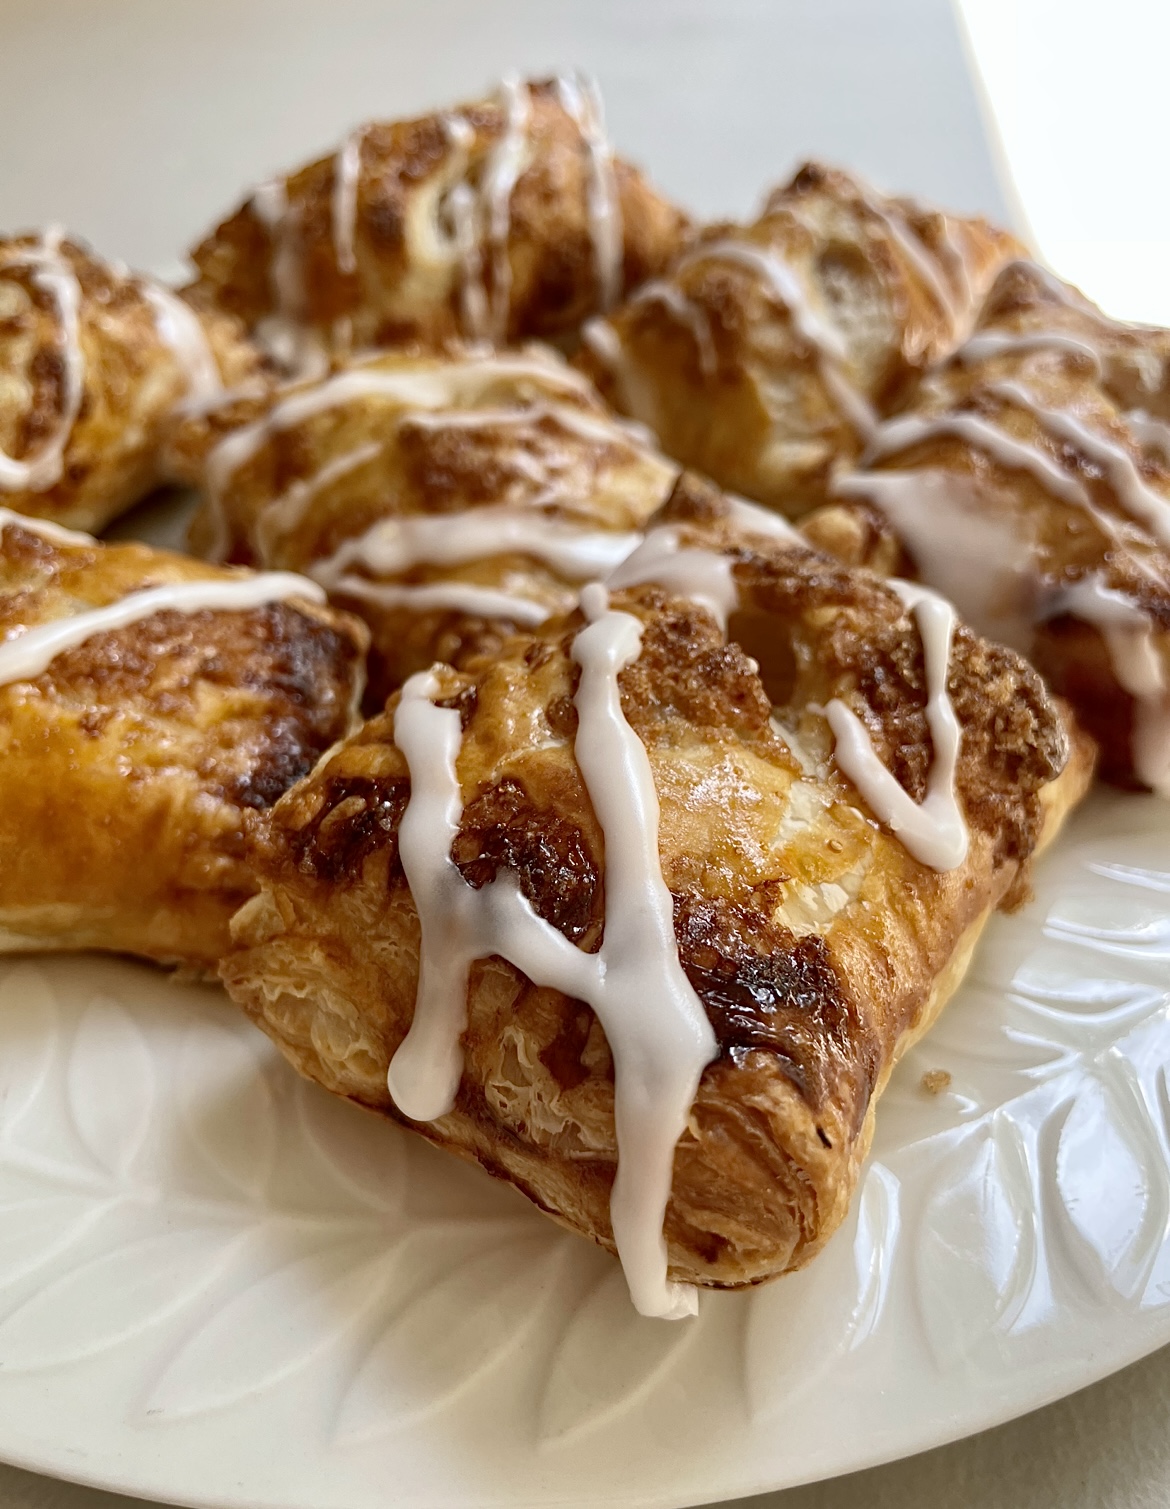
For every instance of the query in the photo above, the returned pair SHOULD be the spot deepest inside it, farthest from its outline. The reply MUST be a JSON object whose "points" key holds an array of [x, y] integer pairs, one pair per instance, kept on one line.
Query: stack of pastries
{"points": [[622, 662]]}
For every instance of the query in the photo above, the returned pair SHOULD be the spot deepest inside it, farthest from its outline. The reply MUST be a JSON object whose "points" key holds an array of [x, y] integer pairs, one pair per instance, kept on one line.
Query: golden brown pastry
{"points": [[766, 352], [620, 830], [1025, 485], [93, 362], [498, 220], [446, 499], [148, 703]]}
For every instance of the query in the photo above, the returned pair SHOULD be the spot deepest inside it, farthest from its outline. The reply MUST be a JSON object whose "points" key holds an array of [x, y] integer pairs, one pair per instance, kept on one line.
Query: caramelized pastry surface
{"points": [[1030, 483], [766, 352], [502, 219], [818, 947], [446, 499], [129, 765], [94, 361]]}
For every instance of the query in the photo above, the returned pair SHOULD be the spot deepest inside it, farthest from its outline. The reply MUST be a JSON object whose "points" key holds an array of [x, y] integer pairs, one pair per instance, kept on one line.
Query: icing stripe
{"points": [[182, 330], [450, 597], [503, 169], [581, 99], [705, 577], [395, 545], [347, 167], [28, 654], [1133, 492], [933, 830], [434, 387], [52, 274], [654, 1022]]}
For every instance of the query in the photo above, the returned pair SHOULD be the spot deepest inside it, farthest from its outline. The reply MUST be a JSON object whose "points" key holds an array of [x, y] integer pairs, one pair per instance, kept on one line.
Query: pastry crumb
{"points": [[935, 1081]]}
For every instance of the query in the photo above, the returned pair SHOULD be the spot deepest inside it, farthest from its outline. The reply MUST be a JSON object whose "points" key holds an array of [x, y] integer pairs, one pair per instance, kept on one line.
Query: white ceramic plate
{"points": [[222, 1287]]}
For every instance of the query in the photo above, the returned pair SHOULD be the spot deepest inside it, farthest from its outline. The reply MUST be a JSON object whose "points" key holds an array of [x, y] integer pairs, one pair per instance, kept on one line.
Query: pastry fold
{"points": [[499, 220], [446, 499], [1029, 481], [766, 352], [94, 361], [818, 947], [130, 763]]}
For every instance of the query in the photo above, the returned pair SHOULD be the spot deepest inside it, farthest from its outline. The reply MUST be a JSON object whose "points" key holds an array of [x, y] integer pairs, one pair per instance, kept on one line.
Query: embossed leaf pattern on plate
{"points": [[222, 1251]]}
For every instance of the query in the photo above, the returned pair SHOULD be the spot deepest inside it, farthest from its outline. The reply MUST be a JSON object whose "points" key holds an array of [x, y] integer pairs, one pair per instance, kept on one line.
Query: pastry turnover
{"points": [[1030, 483], [766, 352], [93, 362], [147, 704], [498, 220], [447, 499], [653, 912]]}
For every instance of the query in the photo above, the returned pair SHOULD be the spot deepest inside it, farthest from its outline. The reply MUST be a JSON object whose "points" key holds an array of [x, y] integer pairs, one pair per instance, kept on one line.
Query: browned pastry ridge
{"points": [[502, 219], [514, 452], [818, 947], [763, 354], [128, 767], [1029, 482], [93, 362]]}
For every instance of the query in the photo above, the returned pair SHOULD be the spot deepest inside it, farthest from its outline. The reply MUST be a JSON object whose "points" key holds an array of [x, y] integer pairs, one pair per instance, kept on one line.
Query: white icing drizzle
{"points": [[603, 340], [684, 312], [1129, 636], [347, 167], [463, 206], [270, 205], [282, 515], [1149, 431], [704, 576], [786, 288], [606, 429], [918, 254], [446, 597], [395, 545], [182, 330], [908, 430], [978, 559], [1133, 492], [503, 168], [292, 343], [934, 830], [433, 387], [45, 528], [53, 274], [757, 520], [29, 653], [955, 256], [655, 1024], [985, 345], [581, 99]]}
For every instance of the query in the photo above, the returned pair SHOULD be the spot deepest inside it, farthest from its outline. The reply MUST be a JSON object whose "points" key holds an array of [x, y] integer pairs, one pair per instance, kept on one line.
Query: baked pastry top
{"points": [[94, 361], [1029, 482], [148, 704], [767, 351], [498, 220], [446, 499], [561, 827]]}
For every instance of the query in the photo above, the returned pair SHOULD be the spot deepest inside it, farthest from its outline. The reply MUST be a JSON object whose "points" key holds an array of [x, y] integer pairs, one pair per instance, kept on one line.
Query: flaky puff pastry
{"points": [[817, 946], [94, 360], [447, 499], [1030, 483], [128, 765], [767, 351], [499, 220]]}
